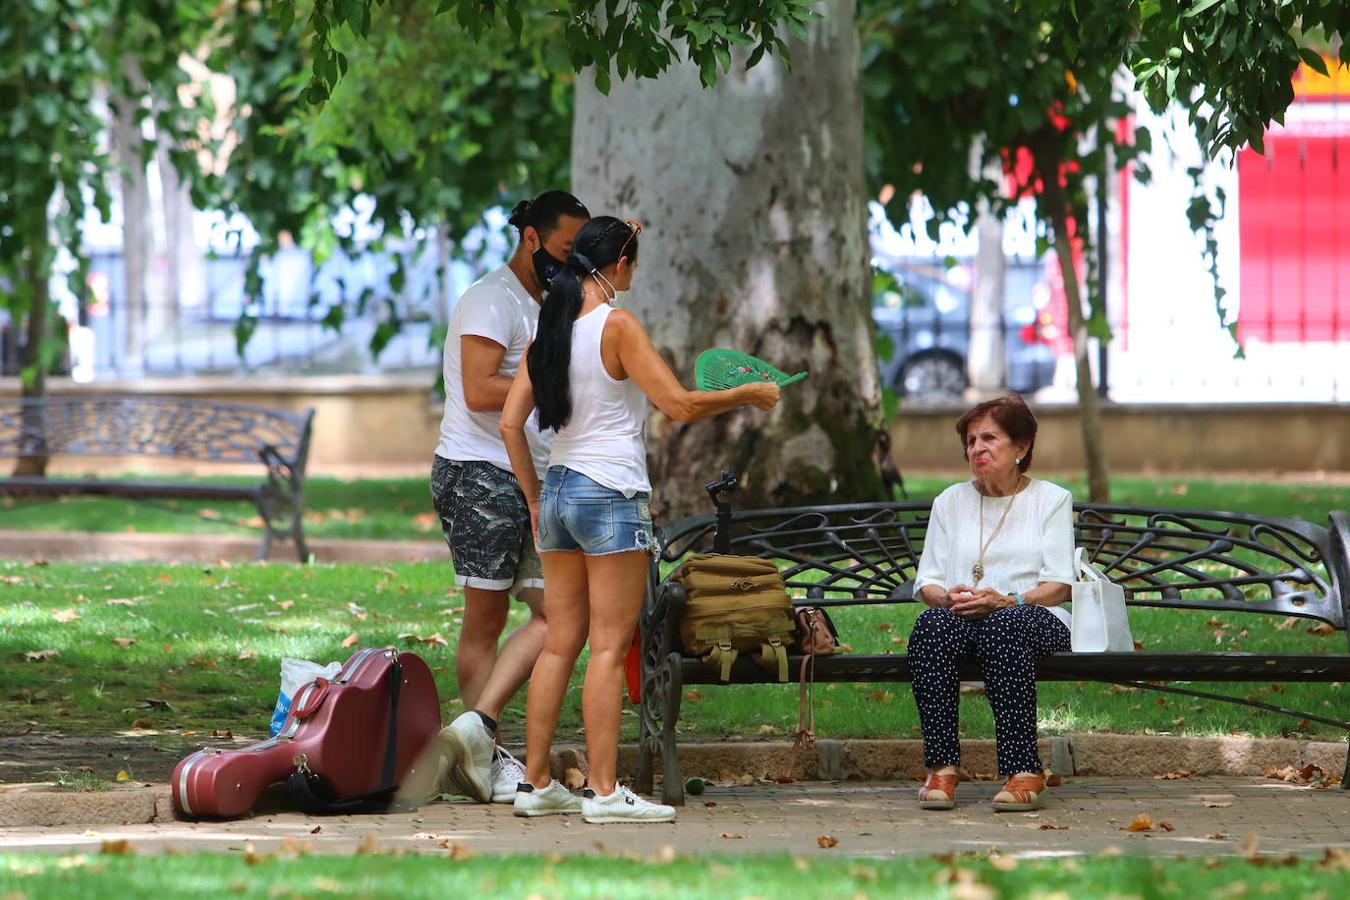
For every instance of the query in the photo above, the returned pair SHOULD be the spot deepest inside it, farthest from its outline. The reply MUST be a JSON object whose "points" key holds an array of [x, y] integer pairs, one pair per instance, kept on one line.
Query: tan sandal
{"points": [[939, 791], [1021, 793]]}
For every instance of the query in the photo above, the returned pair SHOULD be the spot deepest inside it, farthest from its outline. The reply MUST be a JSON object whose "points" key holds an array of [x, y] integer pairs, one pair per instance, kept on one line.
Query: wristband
{"points": [[1018, 597]]}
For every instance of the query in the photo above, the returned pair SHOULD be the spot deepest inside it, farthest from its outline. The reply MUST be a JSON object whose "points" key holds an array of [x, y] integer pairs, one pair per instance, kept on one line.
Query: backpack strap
{"points": [[773, 657], [721, 657]]}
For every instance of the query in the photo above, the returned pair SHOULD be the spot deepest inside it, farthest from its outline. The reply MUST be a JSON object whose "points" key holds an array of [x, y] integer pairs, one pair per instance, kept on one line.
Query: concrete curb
{"points": [[112, 546], [1101, 755], [38, 805], [1106, 755]]}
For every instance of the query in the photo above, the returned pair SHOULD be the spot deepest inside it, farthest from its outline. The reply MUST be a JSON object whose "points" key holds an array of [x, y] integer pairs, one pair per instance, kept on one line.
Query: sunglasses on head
{"points": [[634, 229]]}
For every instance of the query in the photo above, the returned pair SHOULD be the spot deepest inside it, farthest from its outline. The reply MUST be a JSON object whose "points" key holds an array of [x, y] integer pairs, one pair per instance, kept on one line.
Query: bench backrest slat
{"points": [[1180, 559], [122, 425]]}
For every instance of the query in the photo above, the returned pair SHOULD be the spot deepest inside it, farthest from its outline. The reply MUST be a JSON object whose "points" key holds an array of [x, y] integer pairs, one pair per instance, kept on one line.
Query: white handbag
{"points": [[1100, 622]]}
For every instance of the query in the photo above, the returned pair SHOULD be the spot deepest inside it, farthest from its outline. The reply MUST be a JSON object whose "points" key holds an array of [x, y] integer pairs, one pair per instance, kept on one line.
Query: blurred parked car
{"points": [[924, 310]]}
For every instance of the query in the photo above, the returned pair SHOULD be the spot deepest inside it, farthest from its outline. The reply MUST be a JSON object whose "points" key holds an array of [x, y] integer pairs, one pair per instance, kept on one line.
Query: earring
{"points": [[1019, 460]]}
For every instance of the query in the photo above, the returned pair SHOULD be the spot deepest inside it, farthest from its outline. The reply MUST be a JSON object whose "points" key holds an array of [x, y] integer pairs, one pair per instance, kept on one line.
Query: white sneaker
{"points": [[554, 800], [622, 806], [468, 748], [507, 773]]}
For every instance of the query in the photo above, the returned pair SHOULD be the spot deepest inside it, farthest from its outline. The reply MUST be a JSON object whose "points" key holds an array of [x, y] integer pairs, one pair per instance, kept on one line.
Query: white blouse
{"points": [[1034, 545]]}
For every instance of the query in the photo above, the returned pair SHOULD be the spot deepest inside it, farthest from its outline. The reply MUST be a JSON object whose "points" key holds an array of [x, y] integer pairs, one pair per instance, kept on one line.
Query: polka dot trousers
{"points": [[1006, 643]]}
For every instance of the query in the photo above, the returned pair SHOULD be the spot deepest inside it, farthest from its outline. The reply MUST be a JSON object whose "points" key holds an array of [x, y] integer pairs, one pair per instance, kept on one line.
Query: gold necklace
{"points": [[977, 570]]}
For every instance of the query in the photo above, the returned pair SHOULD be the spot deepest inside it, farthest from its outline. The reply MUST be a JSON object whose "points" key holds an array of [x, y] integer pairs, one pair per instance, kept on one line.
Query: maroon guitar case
{"points": [[345, 747]]}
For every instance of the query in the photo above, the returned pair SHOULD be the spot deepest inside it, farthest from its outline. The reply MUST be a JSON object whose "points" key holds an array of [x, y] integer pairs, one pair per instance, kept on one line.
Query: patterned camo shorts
{"points": [[487, 525]]}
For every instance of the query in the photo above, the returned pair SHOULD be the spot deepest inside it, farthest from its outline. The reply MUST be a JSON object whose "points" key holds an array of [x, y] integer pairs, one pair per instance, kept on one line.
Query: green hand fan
{"points": [[721, 370]]}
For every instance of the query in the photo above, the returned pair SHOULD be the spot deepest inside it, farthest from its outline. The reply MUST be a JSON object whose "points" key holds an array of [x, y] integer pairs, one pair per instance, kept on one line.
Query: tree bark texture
{"points": [[135, 195], [39, 320], [751, 196], [1089, 414]]}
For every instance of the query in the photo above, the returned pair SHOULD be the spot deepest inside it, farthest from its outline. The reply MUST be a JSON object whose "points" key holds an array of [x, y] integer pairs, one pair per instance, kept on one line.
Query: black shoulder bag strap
{"points": [[311, 792]]}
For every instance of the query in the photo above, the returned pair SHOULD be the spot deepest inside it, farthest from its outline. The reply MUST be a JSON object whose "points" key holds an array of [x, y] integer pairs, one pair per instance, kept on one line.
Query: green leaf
{"points": [[1199, 8], [1313, 60]]}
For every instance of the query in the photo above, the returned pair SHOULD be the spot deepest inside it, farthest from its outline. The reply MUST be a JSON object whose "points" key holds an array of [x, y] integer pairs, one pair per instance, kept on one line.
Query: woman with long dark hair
{"points": [[590, 373]]}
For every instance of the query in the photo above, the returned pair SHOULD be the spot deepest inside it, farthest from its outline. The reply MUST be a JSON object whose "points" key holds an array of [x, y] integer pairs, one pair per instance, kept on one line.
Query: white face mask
{"points": [[609, 290]]}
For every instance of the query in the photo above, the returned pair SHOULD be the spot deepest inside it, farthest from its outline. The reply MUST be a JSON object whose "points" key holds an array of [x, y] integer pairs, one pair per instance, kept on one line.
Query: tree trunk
{"points": [[35, 372], [1089, 414], [136, 238], [751, 195], [985, 366]]}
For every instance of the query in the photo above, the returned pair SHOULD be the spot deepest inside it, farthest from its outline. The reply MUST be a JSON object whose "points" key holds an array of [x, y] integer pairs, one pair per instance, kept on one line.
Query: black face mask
{"points": [[546, 266]]}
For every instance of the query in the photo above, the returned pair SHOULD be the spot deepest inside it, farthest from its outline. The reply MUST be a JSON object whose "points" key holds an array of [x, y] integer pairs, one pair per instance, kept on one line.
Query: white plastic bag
{"points": [[1100, 621], [295, 674]]}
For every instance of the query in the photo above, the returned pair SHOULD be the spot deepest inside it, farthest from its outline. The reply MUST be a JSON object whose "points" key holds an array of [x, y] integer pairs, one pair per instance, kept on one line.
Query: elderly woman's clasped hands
{"points": [[976, 603]]}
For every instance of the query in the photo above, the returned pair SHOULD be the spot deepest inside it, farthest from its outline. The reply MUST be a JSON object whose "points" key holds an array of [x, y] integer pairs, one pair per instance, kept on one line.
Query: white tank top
{"points": [[605, 439]]}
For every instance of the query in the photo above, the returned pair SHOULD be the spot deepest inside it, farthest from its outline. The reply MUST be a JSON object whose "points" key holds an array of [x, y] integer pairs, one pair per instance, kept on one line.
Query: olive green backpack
{"points": [[737, 604]]}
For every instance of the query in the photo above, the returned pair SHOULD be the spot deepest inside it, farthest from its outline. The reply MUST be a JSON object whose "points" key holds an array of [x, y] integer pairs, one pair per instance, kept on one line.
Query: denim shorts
{"points": [[576, 513]]}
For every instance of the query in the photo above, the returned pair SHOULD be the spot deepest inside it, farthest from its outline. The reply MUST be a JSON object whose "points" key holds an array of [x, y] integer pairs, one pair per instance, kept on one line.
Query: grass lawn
{"points": [[377, 875], [104, 648], [401, 508]]}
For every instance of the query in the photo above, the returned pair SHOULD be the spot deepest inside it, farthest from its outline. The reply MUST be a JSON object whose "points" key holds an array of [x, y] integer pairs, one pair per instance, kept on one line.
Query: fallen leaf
{"points": [[731, 835], [243, 607], [115, 848], [1002, 861], [1139, 645], [1173, 776], [457, 851], [124, 642], [165, 578], [210, 515], [351, 639], [1287, 623], [1054, 779], [142, 723], [1215, 803], [769, 729], [1046, 826], [122, 776], [317, 829], [327, 885], [368, 844], [1141, 822], [65, 615], [286, 604], [248, 654], [693, 696], [1323, 628], [40, 655], [358, 611], [1250, 844], [826, 841], [709, 804], [119, 601], [1334, 858], [1167, 826], [1216, 836], [425, 521], [437, 639]]}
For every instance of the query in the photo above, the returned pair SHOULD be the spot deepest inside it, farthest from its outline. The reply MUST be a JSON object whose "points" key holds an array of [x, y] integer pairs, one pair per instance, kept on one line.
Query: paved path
{"points": [[110, 546], [1085, 815]]}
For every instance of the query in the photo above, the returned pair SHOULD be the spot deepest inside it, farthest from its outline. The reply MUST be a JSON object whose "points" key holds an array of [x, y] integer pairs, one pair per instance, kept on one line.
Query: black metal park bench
{"points": [[175, 427], [866, 554]]}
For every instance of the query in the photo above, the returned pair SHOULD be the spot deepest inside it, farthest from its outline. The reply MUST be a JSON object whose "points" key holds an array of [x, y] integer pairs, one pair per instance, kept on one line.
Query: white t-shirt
{"points": [[496, 307], [1034, 545]]}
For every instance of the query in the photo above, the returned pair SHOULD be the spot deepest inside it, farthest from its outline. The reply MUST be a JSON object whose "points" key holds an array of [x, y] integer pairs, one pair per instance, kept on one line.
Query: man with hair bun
{"points": [[483, 514]]}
